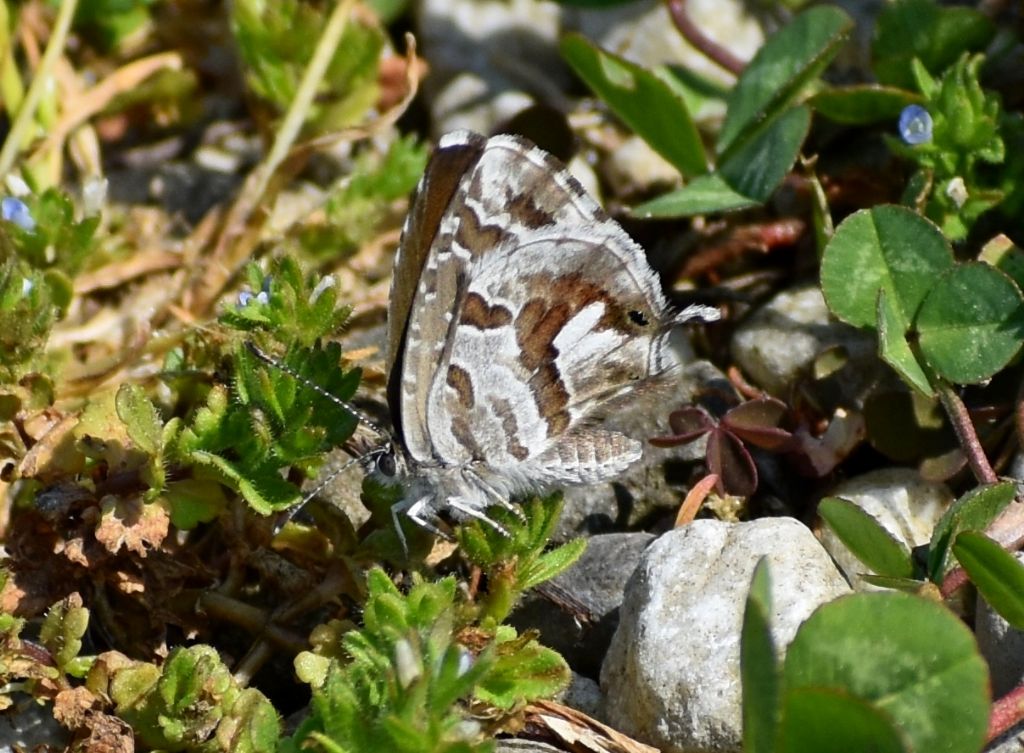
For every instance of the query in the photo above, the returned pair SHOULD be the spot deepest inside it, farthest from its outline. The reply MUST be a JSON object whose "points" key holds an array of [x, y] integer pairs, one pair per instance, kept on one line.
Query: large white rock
{"points": [[672, 676]]}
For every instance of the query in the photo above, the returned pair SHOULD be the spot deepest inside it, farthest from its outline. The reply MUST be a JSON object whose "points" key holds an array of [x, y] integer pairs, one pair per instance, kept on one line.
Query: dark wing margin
{"points": [[456, 153]]}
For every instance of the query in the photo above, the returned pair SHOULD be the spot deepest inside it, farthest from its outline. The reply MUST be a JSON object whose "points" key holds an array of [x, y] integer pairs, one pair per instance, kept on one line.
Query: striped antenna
{"points": [[291, 512], [363, 418]]}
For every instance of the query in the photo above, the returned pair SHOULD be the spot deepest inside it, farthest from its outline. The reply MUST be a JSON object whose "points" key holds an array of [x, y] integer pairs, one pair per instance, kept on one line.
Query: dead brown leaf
{"points": [[579, 732], [130, 523], [71, 706]]}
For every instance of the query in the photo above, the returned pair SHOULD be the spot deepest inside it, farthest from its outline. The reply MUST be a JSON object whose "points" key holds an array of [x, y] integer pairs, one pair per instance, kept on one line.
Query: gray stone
{"points": [[780, 341], [1012, 741], [596, 581], [583, 694], [27, 725], [671, 677], [492, 59]]}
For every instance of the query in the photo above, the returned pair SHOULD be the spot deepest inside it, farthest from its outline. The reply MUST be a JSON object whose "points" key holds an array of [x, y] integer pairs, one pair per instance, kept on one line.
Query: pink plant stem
{"points": [[693, 34], [958, 415], [1006, 712]]}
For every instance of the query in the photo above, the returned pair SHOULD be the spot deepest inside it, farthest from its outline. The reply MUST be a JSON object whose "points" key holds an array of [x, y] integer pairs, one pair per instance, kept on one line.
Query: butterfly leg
{"points": [[469, 510], [414, 511], [497, 496]]}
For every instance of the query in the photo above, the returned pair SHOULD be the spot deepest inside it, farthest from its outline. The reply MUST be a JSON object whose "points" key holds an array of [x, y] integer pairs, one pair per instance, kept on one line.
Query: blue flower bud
{"points": [[915, 125], [16, 211]]}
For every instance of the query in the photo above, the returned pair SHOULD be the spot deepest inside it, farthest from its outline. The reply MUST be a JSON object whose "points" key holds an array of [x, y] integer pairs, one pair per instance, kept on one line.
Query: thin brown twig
{"points": [[968, 436], [701, 41]]}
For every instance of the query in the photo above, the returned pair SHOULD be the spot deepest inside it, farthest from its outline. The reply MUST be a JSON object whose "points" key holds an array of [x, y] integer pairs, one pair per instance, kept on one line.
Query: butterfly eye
{"points": [[638, 317], [386, 463]]}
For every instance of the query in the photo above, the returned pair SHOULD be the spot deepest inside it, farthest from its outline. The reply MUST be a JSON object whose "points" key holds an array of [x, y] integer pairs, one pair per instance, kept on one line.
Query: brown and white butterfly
{"points": [[520, 313]]}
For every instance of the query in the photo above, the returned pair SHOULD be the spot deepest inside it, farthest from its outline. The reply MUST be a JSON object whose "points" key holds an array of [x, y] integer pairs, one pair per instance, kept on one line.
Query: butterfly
{"points": [[520, 315]]}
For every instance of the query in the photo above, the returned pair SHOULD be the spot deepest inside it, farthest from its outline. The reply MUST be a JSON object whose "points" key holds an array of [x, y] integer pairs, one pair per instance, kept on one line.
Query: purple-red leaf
{"points": [[729, 459], [758, 422], [687, 424]]}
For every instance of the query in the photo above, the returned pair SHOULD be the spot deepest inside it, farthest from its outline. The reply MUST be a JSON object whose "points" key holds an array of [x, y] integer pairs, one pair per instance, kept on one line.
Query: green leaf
{"points": [[263, 488], [974, 511], [972, 323], [140, 417], [996, 573], [906, 585], [187, 701], [863, 104], [251, 726], [642, 100], [747, 178], [63, 628], [276, 42], [706, 194], [866, 538], [757, 166], [398, 683], [895, 350], [192, 501], [909, 658], [780, 70], [759, 667], [361, 204], [523, 669], [550, 564], [388, 10], [515, 560], [885, 248], [821, 720]]}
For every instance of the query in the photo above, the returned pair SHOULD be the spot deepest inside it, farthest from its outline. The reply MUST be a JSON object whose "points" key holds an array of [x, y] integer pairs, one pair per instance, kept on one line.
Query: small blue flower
{"points": [[915, 125], [244, 298], [26, 286], [16, 211]]}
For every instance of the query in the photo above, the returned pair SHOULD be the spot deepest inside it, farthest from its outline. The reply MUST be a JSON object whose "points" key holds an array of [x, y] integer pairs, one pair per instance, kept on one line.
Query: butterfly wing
{"points": [[413, 281], [549, 313]]}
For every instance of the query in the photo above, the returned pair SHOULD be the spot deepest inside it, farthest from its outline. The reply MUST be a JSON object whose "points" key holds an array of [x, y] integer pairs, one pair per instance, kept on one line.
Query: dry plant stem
{"points": [[252, 619], [969, 442], [692, 34], [40, 81], [231, 249], [91, 102], [1006, 713], [337, 579], [296, 116]]}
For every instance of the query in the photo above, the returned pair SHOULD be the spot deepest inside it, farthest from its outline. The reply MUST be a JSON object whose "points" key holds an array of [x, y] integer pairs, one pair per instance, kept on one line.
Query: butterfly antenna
{"points": [[363, 418], [291, 512]]}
